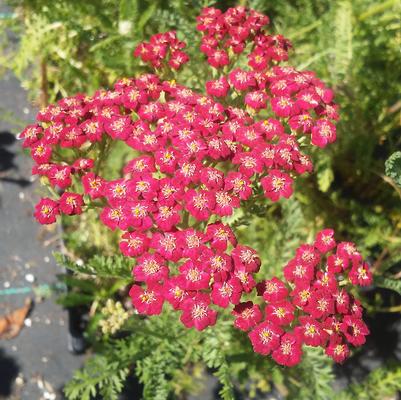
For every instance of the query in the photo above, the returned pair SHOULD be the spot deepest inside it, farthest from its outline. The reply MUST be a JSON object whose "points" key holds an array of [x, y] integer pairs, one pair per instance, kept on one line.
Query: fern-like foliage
{"points": [[393, 167], [382, 383], [116, 266], [100, 376]]}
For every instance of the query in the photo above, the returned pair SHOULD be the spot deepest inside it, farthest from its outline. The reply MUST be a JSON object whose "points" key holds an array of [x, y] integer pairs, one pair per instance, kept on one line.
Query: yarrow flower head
{"points": [[199, 156]]}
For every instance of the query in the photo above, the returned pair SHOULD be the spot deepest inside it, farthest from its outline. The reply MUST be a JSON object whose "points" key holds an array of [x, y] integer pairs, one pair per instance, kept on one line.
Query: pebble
{"points": [[6, 284], [46, 259], [19, 380], [30, 278], [44, 359], [28, 322], [21, 195], [25, 110], [14, 348], [47, 321]]}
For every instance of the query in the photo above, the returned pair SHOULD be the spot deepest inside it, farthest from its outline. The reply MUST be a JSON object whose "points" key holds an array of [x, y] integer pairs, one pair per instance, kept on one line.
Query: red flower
{"points": [[193, 276], [247, 257], [147, 301], [354, 329], [325, 240], [224, 293], [197, 313], [241, 80], [321, 304], [256, 99], [281, 313], [199, 204], [93, 185], [342, 301], [174, 293], [133, 244], [289, 352], [220, 236], [218, 87], [299, 272], [265, 338], [277, 184], [273, 290], [247, 315], [218, 58], [71, 203], [41, 153], [150, 268], [323, 133], [337, 349], [283, 106], [311, 332], [46, 211], [337, 263], [360, 274]]}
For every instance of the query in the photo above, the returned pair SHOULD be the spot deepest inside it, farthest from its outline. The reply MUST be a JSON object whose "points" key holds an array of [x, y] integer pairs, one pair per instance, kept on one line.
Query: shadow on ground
{"points": [[7, 160], [9, 370]]}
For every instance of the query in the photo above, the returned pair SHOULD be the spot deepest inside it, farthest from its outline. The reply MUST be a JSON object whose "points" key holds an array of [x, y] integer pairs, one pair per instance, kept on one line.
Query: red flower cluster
{"points": [[312, 306], [196, 160], [163, 48]]}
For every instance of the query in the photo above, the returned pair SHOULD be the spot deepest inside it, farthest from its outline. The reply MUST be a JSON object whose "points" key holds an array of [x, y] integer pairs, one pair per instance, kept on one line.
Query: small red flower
{"points": [[265, 338], [323, 133], [247, 315], [218, 87], [71, 203], [147, 301], [197, 313], [281, 313], [325, 240], [311, 332], [150, 268], [277, 184], [337, 349], [273, 290], [360, 274], [289, 352], [134, 244], [46, 211], [354, 329]]}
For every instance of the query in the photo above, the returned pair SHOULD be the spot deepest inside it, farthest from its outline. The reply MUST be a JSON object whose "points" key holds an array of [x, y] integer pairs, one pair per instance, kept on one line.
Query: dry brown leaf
{"points": [[12, 323]]}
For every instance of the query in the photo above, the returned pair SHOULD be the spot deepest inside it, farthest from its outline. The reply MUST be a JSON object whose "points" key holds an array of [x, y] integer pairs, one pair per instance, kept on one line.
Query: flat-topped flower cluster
{"points": [[198, 157]]}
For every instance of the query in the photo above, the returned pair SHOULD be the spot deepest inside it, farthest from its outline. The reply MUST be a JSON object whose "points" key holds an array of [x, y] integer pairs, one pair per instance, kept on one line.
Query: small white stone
{"points": [[79, 262], [28, 322], [30, 278], [44, 359], [6, 284], [27, 265], [21, 195], [19, 380], [14, 348], [25, 110], [46, 259], [47, 321]]}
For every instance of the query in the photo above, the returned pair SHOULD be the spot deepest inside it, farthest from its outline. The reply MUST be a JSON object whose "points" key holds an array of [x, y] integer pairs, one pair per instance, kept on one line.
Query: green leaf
{"points": [[343, 38], [146, 16], [393, 167], [324, 173], [388, 283]]}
